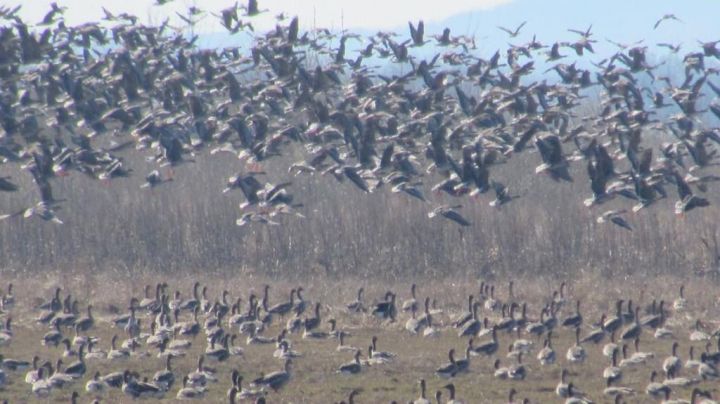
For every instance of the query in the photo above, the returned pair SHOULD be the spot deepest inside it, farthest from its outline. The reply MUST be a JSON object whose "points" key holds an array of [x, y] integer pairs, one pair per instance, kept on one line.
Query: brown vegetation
{"points": [[189, 225]]}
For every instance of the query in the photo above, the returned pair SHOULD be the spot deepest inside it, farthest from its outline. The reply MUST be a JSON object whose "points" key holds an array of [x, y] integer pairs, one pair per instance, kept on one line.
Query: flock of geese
{"points": [[76, 98], [496, 335], [371, 112]]}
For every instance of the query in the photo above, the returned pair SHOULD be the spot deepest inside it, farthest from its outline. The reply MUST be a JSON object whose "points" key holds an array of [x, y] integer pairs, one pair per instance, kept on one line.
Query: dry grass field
{"points": [[314, 375]]}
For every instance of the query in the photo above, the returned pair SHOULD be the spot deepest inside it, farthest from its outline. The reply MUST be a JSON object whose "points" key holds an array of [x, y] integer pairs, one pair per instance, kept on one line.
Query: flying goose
{"points": [[515, 32], [665, 17]]}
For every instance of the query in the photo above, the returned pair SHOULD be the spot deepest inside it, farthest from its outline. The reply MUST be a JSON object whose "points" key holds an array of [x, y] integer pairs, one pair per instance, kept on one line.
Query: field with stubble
{"points": [[314, 376]]}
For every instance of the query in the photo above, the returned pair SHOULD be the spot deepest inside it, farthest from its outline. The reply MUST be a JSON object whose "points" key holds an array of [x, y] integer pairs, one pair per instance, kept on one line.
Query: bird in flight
{"points": [[584, 34], [613, 216], [515, 33], [673, 48], [666, 17]]}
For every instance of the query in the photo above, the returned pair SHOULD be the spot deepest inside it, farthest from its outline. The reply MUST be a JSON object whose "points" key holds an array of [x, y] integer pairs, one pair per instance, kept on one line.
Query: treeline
{"points": [[189, 225]]}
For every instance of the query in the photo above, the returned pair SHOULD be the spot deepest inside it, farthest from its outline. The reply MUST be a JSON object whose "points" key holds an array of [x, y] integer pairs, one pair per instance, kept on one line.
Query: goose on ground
{"points": [[547, 355], [6, 333], [655, 319], [165, 378], [190, 393], [53, 337], [627, 361], [411, 304], [471, 327], [680, 304], [42, 387], [576, 353], [517, 371], [280, 308], [93, 354], [596, 336], [537, 328], [77, 369], [613, 372], [58, 378], [561, 389], [385, 309], [284, 352], [380, 354], [614, 322], [352, 367], [412, 325], [87, 322], [449, 369], [275, 380], [357, 305], [672, 364], [639, 356], [707, 370], [218, 352], [672, 380], [634, 330], [342, 347], [465, 316], [698, 334], [491, 303], [114, 353], [575, 396], [613, 391], [692, 363], [463, 365], [423, 394], [96, 386], [500, 372], [114, 379], [313, 322], [244, 393], [15, 365], [32, 375], [200, 376], [487, 348], [575, 320], [451, 392]]}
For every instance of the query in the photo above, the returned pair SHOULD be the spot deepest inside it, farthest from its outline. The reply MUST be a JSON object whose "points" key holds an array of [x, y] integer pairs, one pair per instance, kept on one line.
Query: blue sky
{"points": [[619, 20]]}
